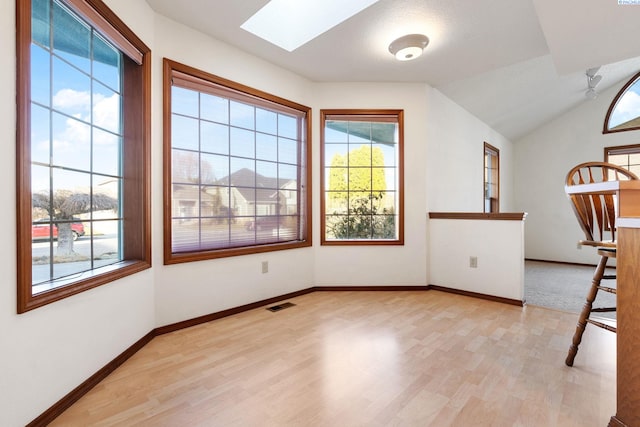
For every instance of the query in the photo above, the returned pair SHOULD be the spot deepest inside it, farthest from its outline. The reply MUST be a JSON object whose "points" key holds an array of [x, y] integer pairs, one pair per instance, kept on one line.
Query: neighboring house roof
{"points": [[189, 192], [246, 182], [633, 123]]}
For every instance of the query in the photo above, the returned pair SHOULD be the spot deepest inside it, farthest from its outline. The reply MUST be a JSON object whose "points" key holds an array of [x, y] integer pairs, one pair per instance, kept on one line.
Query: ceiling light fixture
{"points": [[408, 47], [592, 82]]}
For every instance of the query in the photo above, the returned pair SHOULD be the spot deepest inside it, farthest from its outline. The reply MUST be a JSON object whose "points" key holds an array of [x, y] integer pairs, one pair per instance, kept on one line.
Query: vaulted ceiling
{"points": [[515, 64]]}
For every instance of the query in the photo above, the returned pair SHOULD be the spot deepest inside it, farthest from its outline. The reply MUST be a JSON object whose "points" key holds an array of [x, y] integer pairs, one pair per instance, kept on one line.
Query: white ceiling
{"points": [[515, 64]]}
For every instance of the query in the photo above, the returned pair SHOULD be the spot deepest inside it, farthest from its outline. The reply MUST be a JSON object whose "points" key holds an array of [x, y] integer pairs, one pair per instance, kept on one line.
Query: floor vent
{"points": [[281, 306]]}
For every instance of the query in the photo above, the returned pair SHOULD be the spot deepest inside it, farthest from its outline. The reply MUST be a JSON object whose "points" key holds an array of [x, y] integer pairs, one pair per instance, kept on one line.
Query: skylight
{"points": [[291, 23]]}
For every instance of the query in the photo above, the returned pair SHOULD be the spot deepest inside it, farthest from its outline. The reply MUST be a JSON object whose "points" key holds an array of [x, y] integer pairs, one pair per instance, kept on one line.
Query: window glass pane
{"points": [[335, 131], [40, 15], [287, 151], [387, 153], [70, 186], [287, 126], [266, 147], [242, 143], [268, 173], [360, 179], [41, 185], [215, 233], [185, 234], [289, 203], [336, 179], [384, 227], [207, 172], [336, 154], [40, 75], [106, 198], [243, 201], [40, 134], [71, 91], [266, 121], [106, 63], [184, 132], [213, 108], [362, 155], [106, 241], [106, 152], [71, 143], [184, 102], [634, 158], [71, 38], [242, 115], [214, 138], [185, 167], [287, 176], [337, 202], [106, 108], [243, 172], [186, 199]]}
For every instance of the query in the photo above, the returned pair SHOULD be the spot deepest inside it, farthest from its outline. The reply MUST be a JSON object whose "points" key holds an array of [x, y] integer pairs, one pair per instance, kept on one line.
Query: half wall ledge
{"points": [[478, 253]]}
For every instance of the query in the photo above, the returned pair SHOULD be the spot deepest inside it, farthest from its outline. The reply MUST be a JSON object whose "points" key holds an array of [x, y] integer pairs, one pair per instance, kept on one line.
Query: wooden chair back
{"points": [[596, 213]]}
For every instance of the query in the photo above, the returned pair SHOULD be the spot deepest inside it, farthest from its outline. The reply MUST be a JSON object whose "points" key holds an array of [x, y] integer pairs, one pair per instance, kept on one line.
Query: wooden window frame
{"points": [[136, 196], [494, 201], [363, 115], [191, 76], [605, 127]]}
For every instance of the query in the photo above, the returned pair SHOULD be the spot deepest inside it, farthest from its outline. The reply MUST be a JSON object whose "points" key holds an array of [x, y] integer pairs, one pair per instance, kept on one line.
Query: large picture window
{"points": [[83, 88], [362, 183], [237, 177]]}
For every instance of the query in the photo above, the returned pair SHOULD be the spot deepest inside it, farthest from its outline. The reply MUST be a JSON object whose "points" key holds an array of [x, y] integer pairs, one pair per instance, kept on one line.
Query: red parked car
{"points": [[41, 230]]}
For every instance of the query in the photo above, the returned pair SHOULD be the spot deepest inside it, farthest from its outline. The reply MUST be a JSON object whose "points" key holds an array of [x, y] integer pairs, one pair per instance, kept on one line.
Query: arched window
{"points": [[624, 112]]}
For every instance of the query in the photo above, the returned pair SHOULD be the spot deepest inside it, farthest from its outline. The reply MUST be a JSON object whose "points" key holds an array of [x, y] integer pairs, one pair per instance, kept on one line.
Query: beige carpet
{"points": [[563, 286]]}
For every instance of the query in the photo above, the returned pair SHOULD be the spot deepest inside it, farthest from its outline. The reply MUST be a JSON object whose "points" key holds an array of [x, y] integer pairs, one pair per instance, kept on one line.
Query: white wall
{"points": [[455, 158], [47, 352], [379, 265], [542, 160]]}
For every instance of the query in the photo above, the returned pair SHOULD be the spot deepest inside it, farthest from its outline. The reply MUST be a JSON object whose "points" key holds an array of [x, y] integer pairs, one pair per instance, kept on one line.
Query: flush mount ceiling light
{"points": [[408, 47], [592, 82]]}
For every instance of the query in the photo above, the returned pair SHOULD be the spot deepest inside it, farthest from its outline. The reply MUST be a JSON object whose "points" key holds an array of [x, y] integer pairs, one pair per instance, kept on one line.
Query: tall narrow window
{"points": [[491, 179], [627, 156], [83, 88], [237, 175], [362, 183], [624, 111]]}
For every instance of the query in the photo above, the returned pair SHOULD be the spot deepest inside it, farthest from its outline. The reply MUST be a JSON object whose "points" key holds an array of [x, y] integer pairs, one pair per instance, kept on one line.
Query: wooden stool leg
{"points": [[586, 311]]}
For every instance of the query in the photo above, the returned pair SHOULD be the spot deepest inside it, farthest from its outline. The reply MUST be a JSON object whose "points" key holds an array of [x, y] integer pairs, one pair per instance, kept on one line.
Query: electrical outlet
{"points": [[265, 266], [473, 261]]}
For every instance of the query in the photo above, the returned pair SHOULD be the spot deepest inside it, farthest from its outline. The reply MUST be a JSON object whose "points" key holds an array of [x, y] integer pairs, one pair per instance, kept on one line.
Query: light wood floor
{"points": [[364, 359]]}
